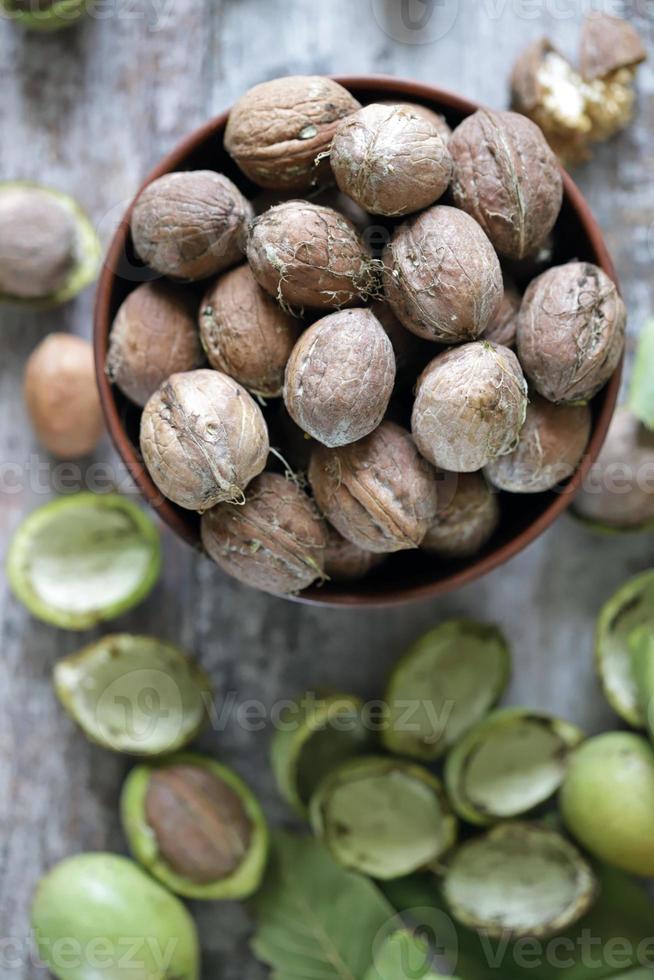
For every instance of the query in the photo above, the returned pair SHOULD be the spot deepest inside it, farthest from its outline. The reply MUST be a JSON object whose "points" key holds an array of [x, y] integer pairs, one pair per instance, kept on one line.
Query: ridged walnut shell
{"points": [[470, 406], [153, 336], [551, 445], [571, 331], [466, 519], [340, 376], [203, 439], [190, 225], [442, 276], [507, 178], [246, 334], [275, 541], [390, 160], [434, 118], [378, 492], [307, 255], [277, 129]]}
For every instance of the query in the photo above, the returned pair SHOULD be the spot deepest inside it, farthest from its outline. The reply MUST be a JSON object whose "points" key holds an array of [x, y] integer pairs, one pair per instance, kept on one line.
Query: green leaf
{"points": [[641, 389], [315, 920], [403, 956]]}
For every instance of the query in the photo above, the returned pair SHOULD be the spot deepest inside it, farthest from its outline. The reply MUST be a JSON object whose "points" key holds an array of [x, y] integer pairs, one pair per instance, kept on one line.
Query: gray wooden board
{"points": [[90, 111]]}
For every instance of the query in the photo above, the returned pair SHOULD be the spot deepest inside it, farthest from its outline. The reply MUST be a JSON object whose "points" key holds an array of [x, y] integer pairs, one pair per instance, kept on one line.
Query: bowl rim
{"points": [[347, 596]]}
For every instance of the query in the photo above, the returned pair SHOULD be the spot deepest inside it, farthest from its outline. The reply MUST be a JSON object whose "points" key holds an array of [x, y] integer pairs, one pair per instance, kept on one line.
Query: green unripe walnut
{"points": [[607, 800]]}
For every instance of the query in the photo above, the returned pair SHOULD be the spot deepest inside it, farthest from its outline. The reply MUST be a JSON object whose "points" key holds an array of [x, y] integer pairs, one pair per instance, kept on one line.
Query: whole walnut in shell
{"points": [[442, 276], [551, 445], [153, 336], [190, 225], [503, 328], [275, 541], [346, 562], [468, 514], [277, 130], [307, 255], [37, 243], [571, 331], [62, 396], [470, 406], [378, 492], [618, 492], [246, 334], [507, 178], [340, 376], [435, 118], [390, 160], [203, 439]]}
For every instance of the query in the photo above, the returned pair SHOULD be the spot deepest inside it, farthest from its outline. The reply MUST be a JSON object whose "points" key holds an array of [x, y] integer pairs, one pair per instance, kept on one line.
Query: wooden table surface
{"points": [[90, 111]]}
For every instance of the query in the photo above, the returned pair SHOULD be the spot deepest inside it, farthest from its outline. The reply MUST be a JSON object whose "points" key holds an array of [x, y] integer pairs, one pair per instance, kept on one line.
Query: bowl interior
{"points": [[405, 575]]}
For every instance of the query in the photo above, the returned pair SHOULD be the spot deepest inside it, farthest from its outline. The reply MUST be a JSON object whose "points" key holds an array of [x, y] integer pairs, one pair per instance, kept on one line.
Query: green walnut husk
{"points": [[88, 250], [81, 560], [404, 955], [134, 694], [519, 879], [631, 607], [315, 735], [641, 645], [53, 17], [607, 800], [192, 828], [96, 916], [641, 388], [508, 764], [383, 817], [443, 685]]}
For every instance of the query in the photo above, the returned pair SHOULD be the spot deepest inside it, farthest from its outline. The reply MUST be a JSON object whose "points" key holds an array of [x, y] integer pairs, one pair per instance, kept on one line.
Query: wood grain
{"points": [[89, 111]]}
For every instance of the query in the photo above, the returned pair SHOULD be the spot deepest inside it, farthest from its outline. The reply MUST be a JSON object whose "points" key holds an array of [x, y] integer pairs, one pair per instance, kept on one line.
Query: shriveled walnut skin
{"points": [[340, 376], [442, 276], [607, 45], [466, 519], [470, 406], [153, 336], [551, 445], [503, 328], [346, 562], [203, 439], [246, 334], [508, 179], [390, 160], [571, 331], [61, 396], [37, 243], [199, 823], [274, 542], [190, 225], [378, 492], [619, 490], [278, 128], [307, 255]]}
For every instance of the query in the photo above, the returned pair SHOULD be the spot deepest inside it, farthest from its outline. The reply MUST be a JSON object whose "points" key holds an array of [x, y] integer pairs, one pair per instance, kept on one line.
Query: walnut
{"points": [[470, 405], [275, 541], [38, 238], [508, 179], [435, 118], [571, 331], [551, 445], [246, 334], [339, 378], [503, 328], [390, 160], [442, 277], [307, 255], [378, 492], [609, 44], [277, 130], [203, 439], [153, 336], [190, 225], [468, 514], [346, 562]]}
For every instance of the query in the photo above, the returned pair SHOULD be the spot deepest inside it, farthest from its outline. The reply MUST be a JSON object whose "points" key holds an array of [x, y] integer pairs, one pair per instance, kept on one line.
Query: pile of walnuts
{"points": [[416, 380]]}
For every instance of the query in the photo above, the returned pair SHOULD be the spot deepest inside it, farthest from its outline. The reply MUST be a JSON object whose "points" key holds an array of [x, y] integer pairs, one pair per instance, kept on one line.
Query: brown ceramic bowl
{"points": [[407, 575]]}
